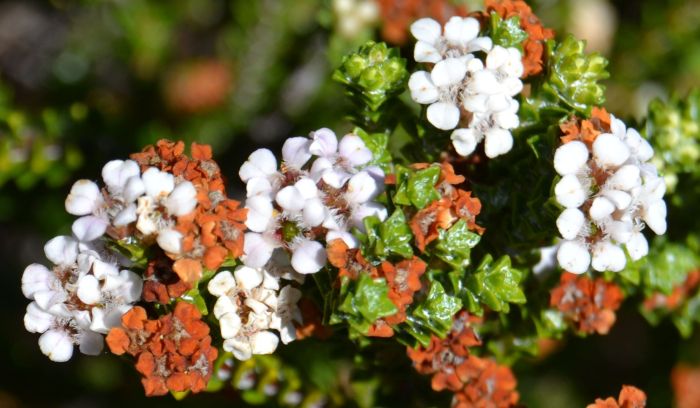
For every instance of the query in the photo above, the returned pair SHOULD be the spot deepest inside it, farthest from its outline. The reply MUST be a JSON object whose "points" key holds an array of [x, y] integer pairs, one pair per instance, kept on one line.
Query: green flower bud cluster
{"points": [[674, 129], [573, 75], [371, 76]]}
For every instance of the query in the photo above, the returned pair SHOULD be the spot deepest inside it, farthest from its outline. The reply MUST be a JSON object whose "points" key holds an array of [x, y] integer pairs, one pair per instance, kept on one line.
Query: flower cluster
{"points": [[213, 229], [475, 381], [490, 385], [79, 299], [145, 205], [402, 278], [324, 188], [609, 191], [249, 305], [630, 397], [464, 93], [533, 46], [454, 204], [588, 304], [173, 353]]}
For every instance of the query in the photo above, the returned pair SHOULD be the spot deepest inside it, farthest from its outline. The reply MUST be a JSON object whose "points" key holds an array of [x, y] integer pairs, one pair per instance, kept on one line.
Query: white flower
{"points": [[182, 200], [570, 192], [295, 152], [464, 141], [287, 313], [161, 191], [498, 141], [61, 250], [609, 150], [84, 198], [443, 115], [116, 173], [170, 241], [257, 249], [89, 227], [460, 39], [260, 163], [570, 158], [608, 257], [308, 257], [570, 223], [57, 345], [573, 257]]}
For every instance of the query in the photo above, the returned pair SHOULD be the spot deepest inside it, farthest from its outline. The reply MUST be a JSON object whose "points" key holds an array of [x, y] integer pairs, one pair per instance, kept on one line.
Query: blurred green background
{"points": [[83, 82]]}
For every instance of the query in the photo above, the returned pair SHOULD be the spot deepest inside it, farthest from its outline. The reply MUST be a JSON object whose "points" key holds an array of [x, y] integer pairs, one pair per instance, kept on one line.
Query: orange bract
{"points": [[162, 283], [589, 304], [455, 204], [630, 397], [173, 353], [489, 385], [533, 46], [214, 231], [586, 130], [312, 325], [398, 15]]}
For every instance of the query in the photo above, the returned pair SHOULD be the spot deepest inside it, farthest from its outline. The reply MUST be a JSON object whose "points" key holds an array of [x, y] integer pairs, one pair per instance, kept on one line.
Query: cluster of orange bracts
{"points": [[588, 304], [475, 381], [173, 353], [454, 204], [630, 397]]}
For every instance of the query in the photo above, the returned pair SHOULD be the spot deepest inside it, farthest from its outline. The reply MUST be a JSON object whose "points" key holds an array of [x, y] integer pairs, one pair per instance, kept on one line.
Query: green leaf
{"points": [[194, 297], [396, 235], [667, 266], [496, 284], [420, 186], [550, 324], [378, 144], [507, 33], [386, 238], [437, 310], [363, 302], [454, 245]]}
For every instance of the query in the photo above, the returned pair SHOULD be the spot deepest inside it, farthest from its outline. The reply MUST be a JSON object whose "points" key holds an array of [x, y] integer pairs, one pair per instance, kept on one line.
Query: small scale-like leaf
{"points": [[421, 186], [437, 310], [454, 245], [507, 32], [496, 284]]}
